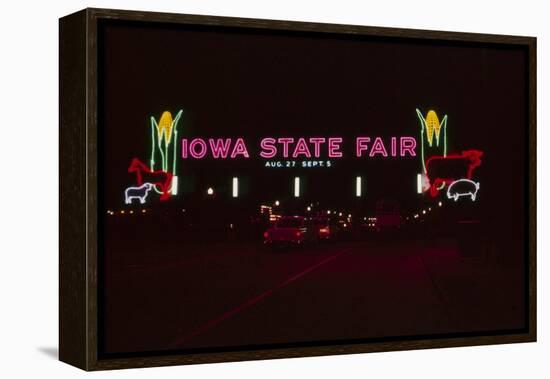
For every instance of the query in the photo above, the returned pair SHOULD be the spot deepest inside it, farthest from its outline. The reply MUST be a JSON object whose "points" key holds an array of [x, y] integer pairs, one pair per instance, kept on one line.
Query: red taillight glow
{"points": [[298, 234], [324, 230], [266, 235]]}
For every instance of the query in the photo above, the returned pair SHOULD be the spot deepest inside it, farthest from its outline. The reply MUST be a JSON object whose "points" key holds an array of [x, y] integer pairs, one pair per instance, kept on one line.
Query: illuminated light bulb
{"points": [[235, 187], [429, 209], [423, 211], [122, 212], [419, 183], [340, 214], [440, 204], [143, 211], [328, 212], [309, 209], [277, 203], [131, 212], [210, 191]]}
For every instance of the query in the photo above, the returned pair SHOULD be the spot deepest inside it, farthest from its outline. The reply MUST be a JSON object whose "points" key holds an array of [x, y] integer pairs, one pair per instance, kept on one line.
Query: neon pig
{"points": [[198, 148], [407, 146]]}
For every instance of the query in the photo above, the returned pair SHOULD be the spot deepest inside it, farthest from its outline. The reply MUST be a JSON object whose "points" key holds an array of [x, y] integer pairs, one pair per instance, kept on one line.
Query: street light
{"points": [[210, 191], [235, 187], [297, 187]]}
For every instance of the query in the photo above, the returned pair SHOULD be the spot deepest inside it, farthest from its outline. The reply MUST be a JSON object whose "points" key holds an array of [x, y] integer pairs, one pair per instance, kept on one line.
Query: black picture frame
{"points": [[79, 151]]}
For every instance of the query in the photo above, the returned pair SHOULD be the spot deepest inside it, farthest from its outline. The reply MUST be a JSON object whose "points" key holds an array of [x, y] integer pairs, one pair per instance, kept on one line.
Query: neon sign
{"points": [[157, 178], [470, 159], [463, 187], [433, 135], [164, 136], [431, 127], [289, 147], [140, 193]]}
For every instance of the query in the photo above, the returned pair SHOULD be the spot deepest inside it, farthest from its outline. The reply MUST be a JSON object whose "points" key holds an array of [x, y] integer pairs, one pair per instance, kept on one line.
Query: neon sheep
{"points": [[140, 193], [463, 187]]}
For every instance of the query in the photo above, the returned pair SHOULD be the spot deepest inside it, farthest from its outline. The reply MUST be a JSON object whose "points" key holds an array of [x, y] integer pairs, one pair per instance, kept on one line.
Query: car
{"points": [[290, 230], [325, 228]]}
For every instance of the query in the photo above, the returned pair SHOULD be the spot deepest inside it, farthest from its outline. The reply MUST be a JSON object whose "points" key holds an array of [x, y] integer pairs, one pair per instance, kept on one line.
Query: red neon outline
{"points": [[138, 167], [474, 158]]}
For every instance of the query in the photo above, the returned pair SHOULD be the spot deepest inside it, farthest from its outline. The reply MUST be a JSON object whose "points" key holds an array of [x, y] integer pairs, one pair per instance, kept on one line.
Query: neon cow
{"points": [[140, 193], [159, 178], [470, 159], [463, 187]]}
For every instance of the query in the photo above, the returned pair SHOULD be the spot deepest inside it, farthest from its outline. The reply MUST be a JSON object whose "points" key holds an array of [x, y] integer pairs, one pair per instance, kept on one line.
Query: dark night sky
{"points": [[254, 84]]}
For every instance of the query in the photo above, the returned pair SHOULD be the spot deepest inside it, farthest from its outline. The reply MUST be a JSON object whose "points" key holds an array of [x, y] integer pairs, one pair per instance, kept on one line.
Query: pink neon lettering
{"points": [[393, 146], [192, 148], [334, 147], [317, 141], [268, 150], [361, 145], [408, 145], [184, 148], [285, 142], [239, 148], [219, 147], [301, 148], [378, 148]]}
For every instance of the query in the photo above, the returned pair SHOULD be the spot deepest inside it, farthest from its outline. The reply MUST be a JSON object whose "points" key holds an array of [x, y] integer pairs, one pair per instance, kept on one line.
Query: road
{"points": [[239, 294]]}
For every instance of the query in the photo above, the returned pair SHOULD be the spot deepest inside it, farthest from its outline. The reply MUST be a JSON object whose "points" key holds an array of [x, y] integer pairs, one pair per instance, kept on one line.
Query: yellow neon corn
{"points": [[432, 126], [165, 126]]}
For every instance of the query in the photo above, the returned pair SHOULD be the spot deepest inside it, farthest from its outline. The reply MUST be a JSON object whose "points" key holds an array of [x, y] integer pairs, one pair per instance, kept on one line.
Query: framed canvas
{"points": [[237, 189]]}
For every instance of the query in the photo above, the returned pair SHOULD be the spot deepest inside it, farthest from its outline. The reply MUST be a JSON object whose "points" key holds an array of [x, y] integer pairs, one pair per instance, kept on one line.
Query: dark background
{"points": [[234, 82], [255, 84]]}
